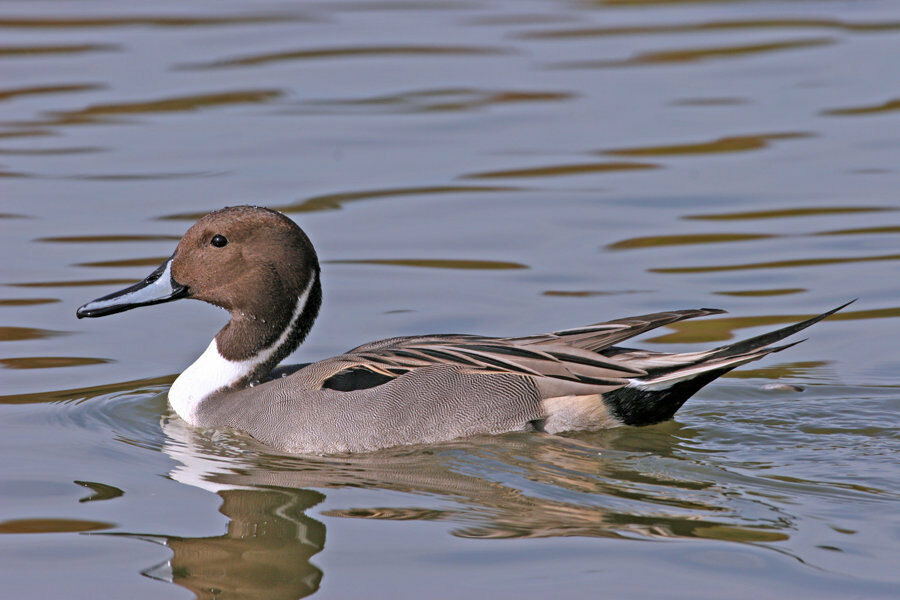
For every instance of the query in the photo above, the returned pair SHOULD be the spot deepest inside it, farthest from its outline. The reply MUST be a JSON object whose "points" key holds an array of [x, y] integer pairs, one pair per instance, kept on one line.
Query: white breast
{"points": [[213, 372]]}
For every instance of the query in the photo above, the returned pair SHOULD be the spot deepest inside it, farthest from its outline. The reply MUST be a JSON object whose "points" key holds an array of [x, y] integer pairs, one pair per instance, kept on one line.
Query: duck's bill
{"points": [[158, 287]]}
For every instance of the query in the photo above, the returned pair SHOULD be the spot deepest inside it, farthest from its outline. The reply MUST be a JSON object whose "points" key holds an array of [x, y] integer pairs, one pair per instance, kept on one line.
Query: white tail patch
{"points": [[666, 381], [570, 413]]}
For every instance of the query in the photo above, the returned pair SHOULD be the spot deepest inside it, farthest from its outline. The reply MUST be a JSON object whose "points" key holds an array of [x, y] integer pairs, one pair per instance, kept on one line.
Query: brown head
{"points": [[254, 262], [245, 259]]}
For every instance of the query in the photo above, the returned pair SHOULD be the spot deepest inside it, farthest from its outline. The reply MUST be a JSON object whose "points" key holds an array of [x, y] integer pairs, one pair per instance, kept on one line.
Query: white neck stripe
{"points": [[267, 353], [212, 372]]}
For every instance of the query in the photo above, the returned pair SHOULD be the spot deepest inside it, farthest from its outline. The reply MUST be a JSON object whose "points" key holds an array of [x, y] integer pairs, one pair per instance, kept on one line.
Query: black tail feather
{"points": [[765, 339], [636, 406], [653, 399]]}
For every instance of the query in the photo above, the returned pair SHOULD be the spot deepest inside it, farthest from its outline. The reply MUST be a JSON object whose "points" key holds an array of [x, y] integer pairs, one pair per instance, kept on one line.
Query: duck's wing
{"points": [[599, 336], [566, 361], [495, 355], [373, 364]]}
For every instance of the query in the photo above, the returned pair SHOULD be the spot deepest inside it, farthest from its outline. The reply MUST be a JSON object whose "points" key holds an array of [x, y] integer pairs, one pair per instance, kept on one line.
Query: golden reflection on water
{"points": [[18, 51], [711, 101], [176, 104], [27, 301], [685, 239], [50, 362], [77, 21], [337, 200], [26, 133], [862, 230], [73, 283], [431, 263], [520, 19], [437, 100], [719, 238], [777, 264], [124, 262], [888, 106], [77, 395], [760, 293], [102, 113], [742, 143], [6, 94], [143, 176], [83, 239], [703, 26], [782, 213], [562, 170], [685, 55], [790, 370], [31, 526], [390, 513], [722, 329], [17, 334], [345, 52], [590, 293], [847, 486]]}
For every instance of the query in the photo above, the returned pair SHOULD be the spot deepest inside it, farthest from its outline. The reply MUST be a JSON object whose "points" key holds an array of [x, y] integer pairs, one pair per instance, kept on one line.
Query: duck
{"points": [[261, 267]]}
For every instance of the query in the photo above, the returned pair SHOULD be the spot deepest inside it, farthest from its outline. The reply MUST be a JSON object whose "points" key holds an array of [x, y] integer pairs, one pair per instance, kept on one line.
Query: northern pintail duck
{"points": [[261, 267]]}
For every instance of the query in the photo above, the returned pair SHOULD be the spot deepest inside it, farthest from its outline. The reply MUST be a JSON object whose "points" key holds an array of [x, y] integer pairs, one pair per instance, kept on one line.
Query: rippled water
{"points": [[492, 167]]}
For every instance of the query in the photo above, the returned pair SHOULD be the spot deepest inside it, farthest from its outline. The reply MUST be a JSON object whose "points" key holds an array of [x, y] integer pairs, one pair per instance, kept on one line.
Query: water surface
{"points": [[479, 166]]}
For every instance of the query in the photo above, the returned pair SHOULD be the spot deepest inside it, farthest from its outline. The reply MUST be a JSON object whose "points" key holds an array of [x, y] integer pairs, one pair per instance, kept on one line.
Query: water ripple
{"points": [[102, 21], [431, 100], [18, 334], [870, 109], [723, 329], [431, 263], [9, 93], [50, 362], [690, 55], [704, 26], [27, 51], [778, 264], [685, 239], [346, 52], [740, 143], [337, 200], [27, 301], [782, 213], [562, 170]]}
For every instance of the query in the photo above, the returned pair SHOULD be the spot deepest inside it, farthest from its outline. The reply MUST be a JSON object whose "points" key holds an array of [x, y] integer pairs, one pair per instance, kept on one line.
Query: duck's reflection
{"points": [[499, 487], [264, 554]]}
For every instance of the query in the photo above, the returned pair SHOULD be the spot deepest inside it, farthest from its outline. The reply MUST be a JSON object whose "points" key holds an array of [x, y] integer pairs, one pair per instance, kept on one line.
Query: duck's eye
{"points": [[218, 241]]}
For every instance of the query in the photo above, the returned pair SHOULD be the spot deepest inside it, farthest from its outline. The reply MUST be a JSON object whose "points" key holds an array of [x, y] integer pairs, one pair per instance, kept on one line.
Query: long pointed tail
{"points": [[673, 378], [766, 339]]}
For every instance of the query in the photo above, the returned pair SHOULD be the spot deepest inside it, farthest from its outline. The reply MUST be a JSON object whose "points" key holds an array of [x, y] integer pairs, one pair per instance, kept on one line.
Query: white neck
{"points": [[213, 372]]}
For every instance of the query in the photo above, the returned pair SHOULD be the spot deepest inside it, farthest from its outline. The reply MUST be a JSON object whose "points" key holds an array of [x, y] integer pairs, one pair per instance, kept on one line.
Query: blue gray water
{"points": [[500, 167]]}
